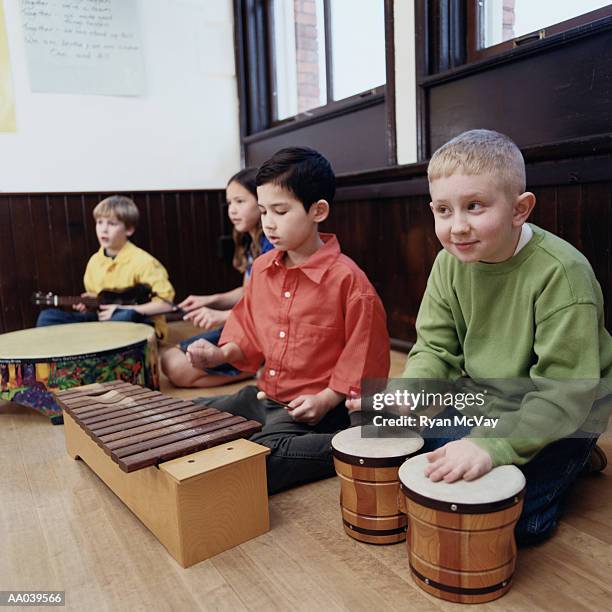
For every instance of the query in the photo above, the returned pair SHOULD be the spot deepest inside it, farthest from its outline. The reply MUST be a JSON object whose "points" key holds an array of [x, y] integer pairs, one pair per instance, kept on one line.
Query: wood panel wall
{"points": [[393, 240], [533, 95], [45, 240]]}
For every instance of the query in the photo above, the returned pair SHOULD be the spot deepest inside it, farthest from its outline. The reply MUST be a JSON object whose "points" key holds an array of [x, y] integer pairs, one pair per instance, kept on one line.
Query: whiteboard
{"points": [[83, 46], [181, 133]]}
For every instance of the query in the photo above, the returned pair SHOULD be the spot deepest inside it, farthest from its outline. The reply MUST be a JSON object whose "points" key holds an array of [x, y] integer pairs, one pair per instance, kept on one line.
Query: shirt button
{"points": [[272, 372], [282, 334], [287, 294]]}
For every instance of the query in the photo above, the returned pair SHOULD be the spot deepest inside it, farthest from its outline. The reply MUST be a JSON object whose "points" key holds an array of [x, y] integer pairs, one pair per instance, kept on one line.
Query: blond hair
{"points": [[120, 207], [481, 152]]}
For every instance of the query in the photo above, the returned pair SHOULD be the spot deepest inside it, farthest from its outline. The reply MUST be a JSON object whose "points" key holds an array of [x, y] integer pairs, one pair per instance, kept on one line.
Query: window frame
{"points": [[256, 68], [332, 109], [443, 69], [474, 12], [330, 105]]}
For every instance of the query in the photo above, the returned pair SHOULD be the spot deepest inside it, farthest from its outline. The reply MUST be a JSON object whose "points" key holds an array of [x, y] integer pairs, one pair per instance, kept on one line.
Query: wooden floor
{"points": [[61, 528]]}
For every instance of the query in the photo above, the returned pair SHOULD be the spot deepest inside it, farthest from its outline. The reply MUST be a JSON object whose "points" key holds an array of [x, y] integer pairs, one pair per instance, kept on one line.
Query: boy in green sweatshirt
{"points": [[514, 308]]}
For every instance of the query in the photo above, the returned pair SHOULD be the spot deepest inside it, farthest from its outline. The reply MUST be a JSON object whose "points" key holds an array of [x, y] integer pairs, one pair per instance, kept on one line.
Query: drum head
{"points": [[494, 488], [349, 445], [72, 340]]}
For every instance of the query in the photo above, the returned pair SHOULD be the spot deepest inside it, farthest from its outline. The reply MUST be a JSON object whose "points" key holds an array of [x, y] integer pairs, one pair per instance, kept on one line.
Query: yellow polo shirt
{"points": [[131, 266]]}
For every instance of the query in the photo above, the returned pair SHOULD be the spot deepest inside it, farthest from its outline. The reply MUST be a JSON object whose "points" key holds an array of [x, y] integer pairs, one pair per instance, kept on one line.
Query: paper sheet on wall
{"points": [[84, 46], [7, 100]]}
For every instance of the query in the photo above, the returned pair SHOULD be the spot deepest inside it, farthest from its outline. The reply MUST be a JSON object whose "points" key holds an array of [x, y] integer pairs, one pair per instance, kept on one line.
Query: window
{"points": [[357, 46], [545, 92], [498, 25], [324, 51], [314, 72]]}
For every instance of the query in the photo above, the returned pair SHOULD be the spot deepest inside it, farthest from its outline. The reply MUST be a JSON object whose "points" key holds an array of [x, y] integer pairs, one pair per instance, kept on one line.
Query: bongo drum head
{"points": [[72, 340], [498, 488], [350, 446]]}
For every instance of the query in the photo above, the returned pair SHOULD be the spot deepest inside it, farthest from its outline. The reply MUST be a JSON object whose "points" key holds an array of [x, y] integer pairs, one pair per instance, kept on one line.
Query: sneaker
{"points": [[597, 461]]}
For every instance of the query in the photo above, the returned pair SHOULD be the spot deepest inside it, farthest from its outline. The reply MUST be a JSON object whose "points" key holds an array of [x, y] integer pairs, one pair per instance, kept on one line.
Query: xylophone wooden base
{"points": [[198, 505]]}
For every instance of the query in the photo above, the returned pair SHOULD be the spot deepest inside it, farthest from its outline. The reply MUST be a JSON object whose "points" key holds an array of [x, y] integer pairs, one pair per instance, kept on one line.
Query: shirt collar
{"points": [[525, 237], [122, 255], [318, 263]]}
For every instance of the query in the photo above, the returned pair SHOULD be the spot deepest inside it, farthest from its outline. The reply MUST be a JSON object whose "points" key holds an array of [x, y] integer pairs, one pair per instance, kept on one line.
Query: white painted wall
{"points": [[405, 82], [182, 134]]}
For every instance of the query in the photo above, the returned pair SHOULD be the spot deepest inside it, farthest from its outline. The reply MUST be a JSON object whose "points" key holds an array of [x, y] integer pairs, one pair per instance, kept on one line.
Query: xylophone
{"points": [[184, 469]]}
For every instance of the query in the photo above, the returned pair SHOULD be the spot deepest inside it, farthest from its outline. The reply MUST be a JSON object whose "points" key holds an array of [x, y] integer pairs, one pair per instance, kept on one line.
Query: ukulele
{"points": [[138, 294]]}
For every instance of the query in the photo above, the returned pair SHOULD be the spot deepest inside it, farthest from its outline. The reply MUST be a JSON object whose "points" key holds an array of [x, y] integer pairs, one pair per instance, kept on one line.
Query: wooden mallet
{"points": [[261, 396]]}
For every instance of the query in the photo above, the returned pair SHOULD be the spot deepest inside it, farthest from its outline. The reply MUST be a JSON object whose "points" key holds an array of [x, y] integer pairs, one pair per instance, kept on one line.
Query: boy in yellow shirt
{"points": [[118, 265]]}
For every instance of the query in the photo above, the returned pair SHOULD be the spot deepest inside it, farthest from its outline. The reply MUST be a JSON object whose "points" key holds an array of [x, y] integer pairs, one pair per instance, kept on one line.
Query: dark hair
{"points": [[303, 171], [246, 178], [243, 243]]}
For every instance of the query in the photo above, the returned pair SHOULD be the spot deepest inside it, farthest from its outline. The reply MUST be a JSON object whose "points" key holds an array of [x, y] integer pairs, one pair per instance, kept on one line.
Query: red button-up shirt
{"points": [[317, 325]]}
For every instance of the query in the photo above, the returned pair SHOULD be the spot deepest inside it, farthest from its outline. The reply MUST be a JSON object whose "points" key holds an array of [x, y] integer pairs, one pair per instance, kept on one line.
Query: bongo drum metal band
{"points": [[460, 538], [184, 469], [373, 462], [375, 532], [462, 508], [461, 590], [35, 364], [367, 468]]}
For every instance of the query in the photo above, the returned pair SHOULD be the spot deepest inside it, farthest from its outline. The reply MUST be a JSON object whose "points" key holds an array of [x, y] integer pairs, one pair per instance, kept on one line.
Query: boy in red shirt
{"points": [[309, 317]]}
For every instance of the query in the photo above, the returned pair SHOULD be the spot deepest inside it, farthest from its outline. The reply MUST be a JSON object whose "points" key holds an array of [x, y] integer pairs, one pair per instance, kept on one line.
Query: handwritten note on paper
{"points": [[84, 46], [7, 101]]}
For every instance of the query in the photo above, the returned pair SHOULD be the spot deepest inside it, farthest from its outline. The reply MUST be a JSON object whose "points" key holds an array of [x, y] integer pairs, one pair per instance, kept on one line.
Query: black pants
{"points": [[300, 453]]}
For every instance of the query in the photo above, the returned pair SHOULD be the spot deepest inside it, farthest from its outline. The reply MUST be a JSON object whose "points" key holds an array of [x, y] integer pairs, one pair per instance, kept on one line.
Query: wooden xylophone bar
{"points": [[140, 428], [183, 469]]}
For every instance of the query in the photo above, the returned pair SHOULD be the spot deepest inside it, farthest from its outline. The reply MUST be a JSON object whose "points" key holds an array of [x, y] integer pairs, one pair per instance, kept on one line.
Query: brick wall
{"points": [[508, 20], [307, 54]]}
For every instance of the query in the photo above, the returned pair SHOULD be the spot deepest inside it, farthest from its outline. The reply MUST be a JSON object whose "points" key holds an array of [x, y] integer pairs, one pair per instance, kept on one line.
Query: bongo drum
{"points": [[37, 363], [460, 540], [369, 483]]}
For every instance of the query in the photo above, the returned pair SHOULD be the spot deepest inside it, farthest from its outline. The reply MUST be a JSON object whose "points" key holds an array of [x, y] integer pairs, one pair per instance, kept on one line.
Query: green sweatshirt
{"points": [[537, 317]]}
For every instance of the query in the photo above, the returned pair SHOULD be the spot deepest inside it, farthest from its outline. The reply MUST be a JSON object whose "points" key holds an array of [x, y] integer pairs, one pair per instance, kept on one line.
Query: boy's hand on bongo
{"points": [[310, 409], [203, 354], [456, 460]]}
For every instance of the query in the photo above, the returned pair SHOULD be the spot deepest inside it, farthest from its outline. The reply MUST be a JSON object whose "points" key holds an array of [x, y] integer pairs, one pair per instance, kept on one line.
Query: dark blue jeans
{"points": [[55, 316], [225, 369], [550, 475]]}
